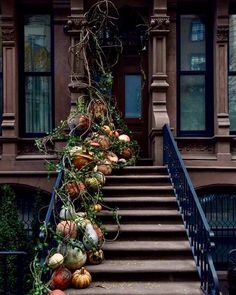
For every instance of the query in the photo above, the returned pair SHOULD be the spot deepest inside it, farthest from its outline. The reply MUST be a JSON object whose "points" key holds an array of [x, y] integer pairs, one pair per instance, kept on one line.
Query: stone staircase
{"points": [[152, 255]]}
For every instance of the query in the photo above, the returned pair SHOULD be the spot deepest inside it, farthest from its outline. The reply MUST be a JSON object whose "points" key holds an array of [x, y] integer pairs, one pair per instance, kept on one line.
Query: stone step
{"points": [[144, 216], [139, 288], [127, 180], [153, 232], [137, 190], [148, 250], [139, 269], [147, 202], [141, 170]]}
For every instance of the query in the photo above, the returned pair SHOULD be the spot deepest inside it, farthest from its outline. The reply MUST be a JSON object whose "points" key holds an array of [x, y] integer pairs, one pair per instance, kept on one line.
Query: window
{"points": [[37, 75], [133, 96], [232, 72], [197, 30], [194, 87]]}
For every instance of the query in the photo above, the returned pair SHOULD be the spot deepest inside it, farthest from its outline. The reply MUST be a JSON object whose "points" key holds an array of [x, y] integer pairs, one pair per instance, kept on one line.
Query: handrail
{"points": [[52, 203], [197, 228]]}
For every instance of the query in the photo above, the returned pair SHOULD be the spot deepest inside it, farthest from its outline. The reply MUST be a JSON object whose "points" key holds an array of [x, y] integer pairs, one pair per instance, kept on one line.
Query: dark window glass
{"points": [[197, 30], [37, 74], [232, 72], [133, 96], [192, 71]]}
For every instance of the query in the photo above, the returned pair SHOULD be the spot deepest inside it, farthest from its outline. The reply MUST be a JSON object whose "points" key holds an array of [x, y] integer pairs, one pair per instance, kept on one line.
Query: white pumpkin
{"points": [[67, 213], [74, 258], [90, 238], [55, 260], [124, 137], [76, 150]]}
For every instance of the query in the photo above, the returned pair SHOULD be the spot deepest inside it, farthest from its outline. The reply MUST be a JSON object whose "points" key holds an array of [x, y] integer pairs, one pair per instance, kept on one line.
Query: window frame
{"points": [[23, 11], [207, 73], [230, 73]]}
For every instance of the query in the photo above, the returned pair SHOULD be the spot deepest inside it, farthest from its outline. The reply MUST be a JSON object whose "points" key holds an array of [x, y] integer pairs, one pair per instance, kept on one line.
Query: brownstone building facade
{"points": [[189, 60]]}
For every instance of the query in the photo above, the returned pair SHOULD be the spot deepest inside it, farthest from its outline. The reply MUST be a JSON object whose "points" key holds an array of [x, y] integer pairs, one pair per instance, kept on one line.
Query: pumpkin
{"points": [[81, 278], [103, 142], [98, 207], [124, 137], [112, 157], [55, 260], [90, 238], [81, 160], [67, 228], [72, 189], [126, 153], [107, 129], [96, 257], [92, 183], [100, 177], [61, 278], [74, 257], [84, 122], [104, 167], [76, 150], [57, 292], [67, 213]]}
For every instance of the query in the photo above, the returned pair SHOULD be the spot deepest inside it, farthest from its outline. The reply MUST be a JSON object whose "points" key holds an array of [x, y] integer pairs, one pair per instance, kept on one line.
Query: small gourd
{"points": [[81, 278], [67, 213], [96, 257], [98, 207], [55, 260], [124, 137]]}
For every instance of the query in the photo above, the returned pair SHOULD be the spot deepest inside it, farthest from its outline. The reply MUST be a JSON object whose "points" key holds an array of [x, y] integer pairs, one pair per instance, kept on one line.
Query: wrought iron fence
{"points": [[220, 211], [12, 274], [197, 228]]}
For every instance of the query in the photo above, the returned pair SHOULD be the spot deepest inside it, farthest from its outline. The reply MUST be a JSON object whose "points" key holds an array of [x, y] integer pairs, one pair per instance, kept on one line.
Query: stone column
{"points": [[222, 123], [10, 87], [73, 29], [159, 30]]}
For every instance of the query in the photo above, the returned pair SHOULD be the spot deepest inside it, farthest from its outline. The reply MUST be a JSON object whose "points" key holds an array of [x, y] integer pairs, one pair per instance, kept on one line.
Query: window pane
{"points": [[38, 108], [133, 84], [192, 103], [192, 42], [232, 43], [37, 43], [232, 102]]}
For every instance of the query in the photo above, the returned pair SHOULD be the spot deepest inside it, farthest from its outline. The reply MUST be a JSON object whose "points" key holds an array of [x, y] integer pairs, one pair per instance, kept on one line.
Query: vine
{"points": [[98, 142]]}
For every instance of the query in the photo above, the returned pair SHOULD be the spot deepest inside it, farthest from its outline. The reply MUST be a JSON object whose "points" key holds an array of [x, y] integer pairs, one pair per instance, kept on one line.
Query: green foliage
{"points": [[12, 237]]}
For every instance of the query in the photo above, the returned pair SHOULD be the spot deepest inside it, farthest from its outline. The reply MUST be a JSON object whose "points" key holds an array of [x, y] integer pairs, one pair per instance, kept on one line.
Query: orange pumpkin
{"points": [[81, 278], [61, 278], [126, 153], [74, 189], [57, 292], [81, 160], [67, 228]]}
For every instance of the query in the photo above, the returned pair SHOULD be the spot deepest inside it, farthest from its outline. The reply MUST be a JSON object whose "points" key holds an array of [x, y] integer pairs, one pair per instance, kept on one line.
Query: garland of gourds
{"points": [[98, 142]]}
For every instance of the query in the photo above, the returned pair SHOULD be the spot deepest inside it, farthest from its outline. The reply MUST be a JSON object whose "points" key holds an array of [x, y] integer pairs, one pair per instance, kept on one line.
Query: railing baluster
{"points": [[198, 230]]}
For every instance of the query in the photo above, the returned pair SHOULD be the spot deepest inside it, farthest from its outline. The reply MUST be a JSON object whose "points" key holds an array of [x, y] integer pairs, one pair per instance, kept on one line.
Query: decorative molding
{"points": [[8, 34], [160, 23], [222, 34], [193, 148], [74, 24]]}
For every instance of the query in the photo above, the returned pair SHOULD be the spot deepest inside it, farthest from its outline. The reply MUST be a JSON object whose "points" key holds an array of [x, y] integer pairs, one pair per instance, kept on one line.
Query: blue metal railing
{"points": [[12, 280], [197, 228]]}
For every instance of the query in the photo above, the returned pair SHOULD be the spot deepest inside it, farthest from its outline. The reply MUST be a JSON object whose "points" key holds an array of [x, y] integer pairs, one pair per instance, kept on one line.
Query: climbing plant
{"points": [[98, 142]]}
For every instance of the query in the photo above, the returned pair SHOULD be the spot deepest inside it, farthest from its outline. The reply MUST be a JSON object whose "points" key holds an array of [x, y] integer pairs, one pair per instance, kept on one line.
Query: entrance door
{"points": [[130, 90]]}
